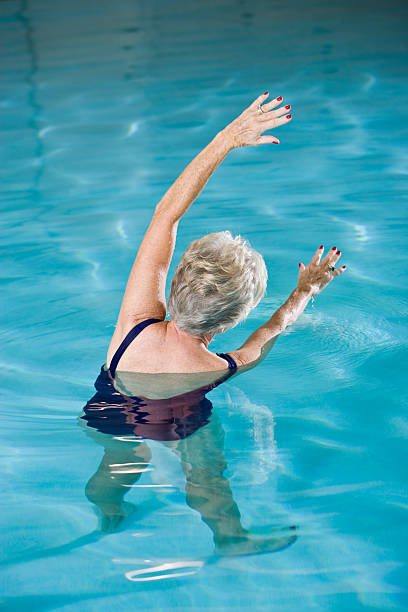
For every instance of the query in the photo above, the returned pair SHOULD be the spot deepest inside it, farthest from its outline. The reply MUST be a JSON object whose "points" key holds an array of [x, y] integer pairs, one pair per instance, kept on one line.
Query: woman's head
{"points": [[219, 279]]}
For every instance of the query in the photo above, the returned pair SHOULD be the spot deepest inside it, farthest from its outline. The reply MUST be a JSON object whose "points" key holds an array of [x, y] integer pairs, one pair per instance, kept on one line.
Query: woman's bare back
{"points": [[161, 348]]}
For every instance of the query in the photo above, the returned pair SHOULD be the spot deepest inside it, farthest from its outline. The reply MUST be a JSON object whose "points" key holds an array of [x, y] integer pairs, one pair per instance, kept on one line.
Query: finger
{"points": [[338, 271], [336, 257], [330, 257], [333, 255], [259, 100], [278, 112], [318, 255], [272, 104], [267, 140], [301, 267], [273, 123]]}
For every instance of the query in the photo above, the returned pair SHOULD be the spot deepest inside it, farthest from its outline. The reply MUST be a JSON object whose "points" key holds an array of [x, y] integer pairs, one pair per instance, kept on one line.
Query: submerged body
{"points": [[186, 424]]}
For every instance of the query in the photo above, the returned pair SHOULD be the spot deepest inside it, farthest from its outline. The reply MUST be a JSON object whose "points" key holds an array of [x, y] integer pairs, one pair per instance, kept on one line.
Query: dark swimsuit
{"points": [[175, 418]]}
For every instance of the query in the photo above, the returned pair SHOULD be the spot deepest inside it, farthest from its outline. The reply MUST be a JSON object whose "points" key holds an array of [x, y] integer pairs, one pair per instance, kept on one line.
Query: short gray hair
{"points": [[217, 282]]}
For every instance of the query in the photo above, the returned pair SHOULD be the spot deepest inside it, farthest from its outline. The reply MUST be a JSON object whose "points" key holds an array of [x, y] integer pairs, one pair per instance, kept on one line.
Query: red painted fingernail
{"points": [[344, 267], [275, 141], [334, 248], [300, 265], [288, 116], [279, 99], [266, 93], [287, 106], [321, 246], [338, 253]]}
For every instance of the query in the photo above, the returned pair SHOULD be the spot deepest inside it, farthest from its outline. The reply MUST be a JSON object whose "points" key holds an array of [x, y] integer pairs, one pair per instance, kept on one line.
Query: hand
{"points": [[318, 274], [247, 129]]}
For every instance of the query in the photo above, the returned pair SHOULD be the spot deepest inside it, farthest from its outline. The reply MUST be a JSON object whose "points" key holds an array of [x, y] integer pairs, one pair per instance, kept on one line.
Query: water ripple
{"points": [[332, 490], [164, 571]]}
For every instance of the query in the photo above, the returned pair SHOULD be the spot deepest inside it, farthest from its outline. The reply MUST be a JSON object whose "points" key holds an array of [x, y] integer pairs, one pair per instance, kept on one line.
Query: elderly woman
{"points": [[218, 281], [160, 371]]}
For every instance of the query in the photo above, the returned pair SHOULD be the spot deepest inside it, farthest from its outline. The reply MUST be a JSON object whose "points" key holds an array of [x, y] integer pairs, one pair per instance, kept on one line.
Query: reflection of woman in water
{"points": [[160, 371]]}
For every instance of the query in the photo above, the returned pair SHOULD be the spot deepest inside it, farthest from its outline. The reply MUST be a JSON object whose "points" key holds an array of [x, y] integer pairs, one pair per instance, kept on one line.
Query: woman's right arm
{"points": [[313, 278]]}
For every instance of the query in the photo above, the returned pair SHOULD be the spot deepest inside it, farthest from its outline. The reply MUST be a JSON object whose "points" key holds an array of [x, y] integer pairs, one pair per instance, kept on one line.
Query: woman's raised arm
{"points": [[145, 291], [245, 130]]}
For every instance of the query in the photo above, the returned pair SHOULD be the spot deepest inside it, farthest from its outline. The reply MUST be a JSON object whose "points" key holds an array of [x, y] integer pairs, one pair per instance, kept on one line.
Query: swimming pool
{"points": [[102, 106]]}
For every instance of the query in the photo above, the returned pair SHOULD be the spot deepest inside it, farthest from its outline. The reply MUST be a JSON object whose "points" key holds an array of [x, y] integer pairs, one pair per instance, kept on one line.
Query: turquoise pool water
{"points": [[102, 105]]}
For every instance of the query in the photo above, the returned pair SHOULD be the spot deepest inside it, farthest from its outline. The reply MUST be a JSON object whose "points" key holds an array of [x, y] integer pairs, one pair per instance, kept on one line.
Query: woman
{"points": [[160, 371], [218, 280]]}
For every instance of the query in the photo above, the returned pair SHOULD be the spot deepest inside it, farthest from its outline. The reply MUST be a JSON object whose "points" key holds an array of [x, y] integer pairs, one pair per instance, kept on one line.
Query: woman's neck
{"points": [[177, 335]]}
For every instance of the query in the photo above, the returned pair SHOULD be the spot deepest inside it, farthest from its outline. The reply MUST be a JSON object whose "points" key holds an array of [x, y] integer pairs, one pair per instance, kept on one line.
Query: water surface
{"points": [[102, 106]]}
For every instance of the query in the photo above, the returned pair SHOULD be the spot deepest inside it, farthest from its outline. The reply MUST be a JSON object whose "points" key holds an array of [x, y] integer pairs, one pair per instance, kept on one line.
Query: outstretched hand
{"points": [[319, 272], [248, 127]]}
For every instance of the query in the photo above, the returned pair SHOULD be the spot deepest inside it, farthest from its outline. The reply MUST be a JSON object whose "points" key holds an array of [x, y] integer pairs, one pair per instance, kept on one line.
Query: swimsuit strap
{"points": [[231, 362], [128, 339]]}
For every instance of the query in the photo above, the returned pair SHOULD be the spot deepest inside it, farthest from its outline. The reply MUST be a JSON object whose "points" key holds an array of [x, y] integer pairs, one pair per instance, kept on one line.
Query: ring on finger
{"points": [[260, 109], [330, 269]]}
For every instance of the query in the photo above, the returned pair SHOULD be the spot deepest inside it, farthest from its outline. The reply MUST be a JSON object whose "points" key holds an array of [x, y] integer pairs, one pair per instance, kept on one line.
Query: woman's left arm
{"points": [[145, 291]]}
